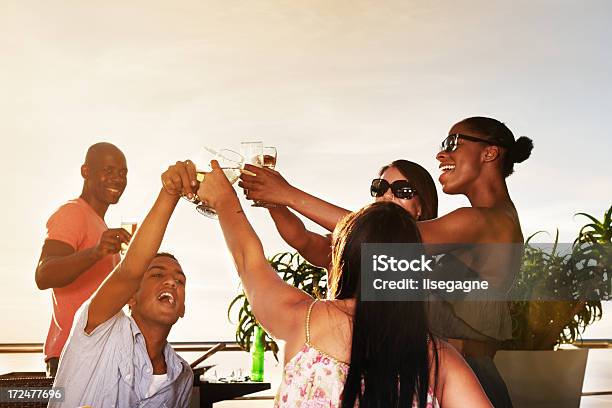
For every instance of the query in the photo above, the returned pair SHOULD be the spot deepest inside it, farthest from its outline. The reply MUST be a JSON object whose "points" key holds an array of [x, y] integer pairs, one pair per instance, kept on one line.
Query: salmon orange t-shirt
{"points": [[78, 225]]}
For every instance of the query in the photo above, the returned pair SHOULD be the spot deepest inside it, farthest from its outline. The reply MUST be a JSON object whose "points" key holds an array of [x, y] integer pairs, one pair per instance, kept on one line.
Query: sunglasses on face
{"points": [[451, 142], [401, 188]]}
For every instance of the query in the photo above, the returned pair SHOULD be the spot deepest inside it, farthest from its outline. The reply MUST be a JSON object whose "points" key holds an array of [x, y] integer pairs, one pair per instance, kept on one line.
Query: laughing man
{"points": [[80, 251], [115, 360]]}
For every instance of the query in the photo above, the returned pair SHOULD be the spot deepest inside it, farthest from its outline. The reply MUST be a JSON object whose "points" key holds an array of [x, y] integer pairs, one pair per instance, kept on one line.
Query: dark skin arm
{"points": [[60, 264], [269, 186], [315, 248], [471, 225], [464, 225]]}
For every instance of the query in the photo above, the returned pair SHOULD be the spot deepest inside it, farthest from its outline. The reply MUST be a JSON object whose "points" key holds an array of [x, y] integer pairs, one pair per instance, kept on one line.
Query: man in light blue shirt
{"points": [[115, 360]]}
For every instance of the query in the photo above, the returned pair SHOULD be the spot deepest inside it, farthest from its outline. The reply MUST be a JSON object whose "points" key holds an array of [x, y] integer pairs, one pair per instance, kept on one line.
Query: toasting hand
{"points": [[110, 242], [216, 188], [262, 184], [180, 179]]}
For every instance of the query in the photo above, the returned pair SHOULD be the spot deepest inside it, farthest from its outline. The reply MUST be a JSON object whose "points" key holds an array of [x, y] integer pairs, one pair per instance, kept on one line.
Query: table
{"points": [[211, 392]]}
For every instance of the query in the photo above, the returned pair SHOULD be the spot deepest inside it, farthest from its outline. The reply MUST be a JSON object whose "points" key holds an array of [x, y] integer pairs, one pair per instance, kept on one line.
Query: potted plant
{"points": [[535, 373], [294, 270]]}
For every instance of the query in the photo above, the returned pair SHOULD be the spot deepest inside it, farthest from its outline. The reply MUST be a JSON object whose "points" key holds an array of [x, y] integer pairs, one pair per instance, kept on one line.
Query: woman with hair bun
{"points": [[475, 158]]}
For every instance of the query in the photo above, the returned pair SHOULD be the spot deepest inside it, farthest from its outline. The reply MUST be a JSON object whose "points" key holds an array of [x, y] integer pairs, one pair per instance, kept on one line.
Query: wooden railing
{"points": [[180, 346], [202, 346]]}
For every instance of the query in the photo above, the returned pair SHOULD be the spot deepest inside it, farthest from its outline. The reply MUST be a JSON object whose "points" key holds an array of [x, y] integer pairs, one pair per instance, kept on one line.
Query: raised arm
{"points": [[463, 226], [472, 225], [278, 306], [315, 248], [269, 186], [60, 265], [124, 281]]}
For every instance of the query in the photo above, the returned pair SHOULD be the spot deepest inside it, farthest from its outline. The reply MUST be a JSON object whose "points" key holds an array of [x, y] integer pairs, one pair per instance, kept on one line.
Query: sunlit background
{"points": [[339, 87]]}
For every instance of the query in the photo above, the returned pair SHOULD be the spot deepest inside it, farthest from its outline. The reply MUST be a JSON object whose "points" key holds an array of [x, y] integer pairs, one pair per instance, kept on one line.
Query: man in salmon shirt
{"points": [[80, 250]]}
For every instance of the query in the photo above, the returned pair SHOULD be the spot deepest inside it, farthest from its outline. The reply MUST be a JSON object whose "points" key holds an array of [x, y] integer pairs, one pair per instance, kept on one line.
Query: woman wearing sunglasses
{"points": [[475, 159], [342, 352], [402, 182]]}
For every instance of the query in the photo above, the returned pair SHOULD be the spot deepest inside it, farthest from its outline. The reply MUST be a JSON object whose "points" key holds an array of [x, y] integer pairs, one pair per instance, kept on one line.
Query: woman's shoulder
{"points": [[334, 312], [331, 327], [500, 221]]}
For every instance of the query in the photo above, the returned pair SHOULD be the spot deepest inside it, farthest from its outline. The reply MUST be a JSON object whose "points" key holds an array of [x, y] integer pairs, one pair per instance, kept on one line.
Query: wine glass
{"points": [[230, 162], [268, 161], [130, 226], [252, 153]]}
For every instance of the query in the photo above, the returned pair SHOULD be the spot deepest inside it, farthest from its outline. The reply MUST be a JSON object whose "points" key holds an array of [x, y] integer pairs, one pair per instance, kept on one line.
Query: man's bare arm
{"points": [[60, 264]]}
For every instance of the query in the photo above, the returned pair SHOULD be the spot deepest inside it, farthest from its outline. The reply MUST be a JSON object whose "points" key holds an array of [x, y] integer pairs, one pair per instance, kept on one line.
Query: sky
{"points": [[339, 87]]}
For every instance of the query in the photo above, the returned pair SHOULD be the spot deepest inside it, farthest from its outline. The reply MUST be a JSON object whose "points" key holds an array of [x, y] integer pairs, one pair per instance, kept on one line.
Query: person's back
{"points": [[317, 372]]}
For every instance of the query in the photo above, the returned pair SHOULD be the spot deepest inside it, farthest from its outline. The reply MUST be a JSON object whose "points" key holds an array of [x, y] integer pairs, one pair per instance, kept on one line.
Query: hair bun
{"points": [[521, 149]]}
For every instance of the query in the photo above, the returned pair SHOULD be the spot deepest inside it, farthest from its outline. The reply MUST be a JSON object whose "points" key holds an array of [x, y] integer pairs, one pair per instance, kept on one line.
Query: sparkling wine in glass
{"points": [[230, 162], [269, 157], [268, 161], [130, 227]]}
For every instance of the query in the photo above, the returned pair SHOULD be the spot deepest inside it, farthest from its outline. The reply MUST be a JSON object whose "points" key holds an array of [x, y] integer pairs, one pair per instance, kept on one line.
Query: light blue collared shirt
{"points": [[111, 368]]}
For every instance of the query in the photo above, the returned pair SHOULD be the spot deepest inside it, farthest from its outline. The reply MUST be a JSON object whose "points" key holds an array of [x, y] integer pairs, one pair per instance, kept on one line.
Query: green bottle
{"points": [[257, 351]]}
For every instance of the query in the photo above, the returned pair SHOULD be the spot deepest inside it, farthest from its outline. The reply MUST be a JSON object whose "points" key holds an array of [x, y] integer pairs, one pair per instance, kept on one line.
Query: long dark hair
{"points": [[516, 151], [390, 349], [424, 184]]}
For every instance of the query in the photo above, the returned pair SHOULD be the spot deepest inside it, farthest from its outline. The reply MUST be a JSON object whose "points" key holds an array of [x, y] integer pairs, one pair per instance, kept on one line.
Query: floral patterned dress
{"points": [[313, 379]]}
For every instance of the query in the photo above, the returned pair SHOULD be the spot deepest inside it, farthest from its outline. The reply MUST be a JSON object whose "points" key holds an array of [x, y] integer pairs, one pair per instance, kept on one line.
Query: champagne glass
{"points": [[268, 161], [252, 153], [130, 226], [230, 162]]}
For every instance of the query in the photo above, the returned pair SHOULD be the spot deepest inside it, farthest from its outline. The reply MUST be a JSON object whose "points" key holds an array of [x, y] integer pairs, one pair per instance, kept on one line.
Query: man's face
{"points": [[161, 296], [106, 176]]}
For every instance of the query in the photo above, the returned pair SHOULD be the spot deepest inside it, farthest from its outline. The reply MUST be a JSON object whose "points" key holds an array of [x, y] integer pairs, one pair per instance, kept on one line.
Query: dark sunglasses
{"points": [[400, 188], [451, 142]]}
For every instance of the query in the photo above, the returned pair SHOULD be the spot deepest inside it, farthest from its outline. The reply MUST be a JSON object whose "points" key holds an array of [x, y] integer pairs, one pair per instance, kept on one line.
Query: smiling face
{"points": [[161, 296], [460, 168], [105, 175], [412, 205]]}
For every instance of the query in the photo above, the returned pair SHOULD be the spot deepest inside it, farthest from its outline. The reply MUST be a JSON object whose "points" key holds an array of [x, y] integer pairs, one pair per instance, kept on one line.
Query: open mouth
{"points": [[447, 167], [166, 297], [113, 190]]}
